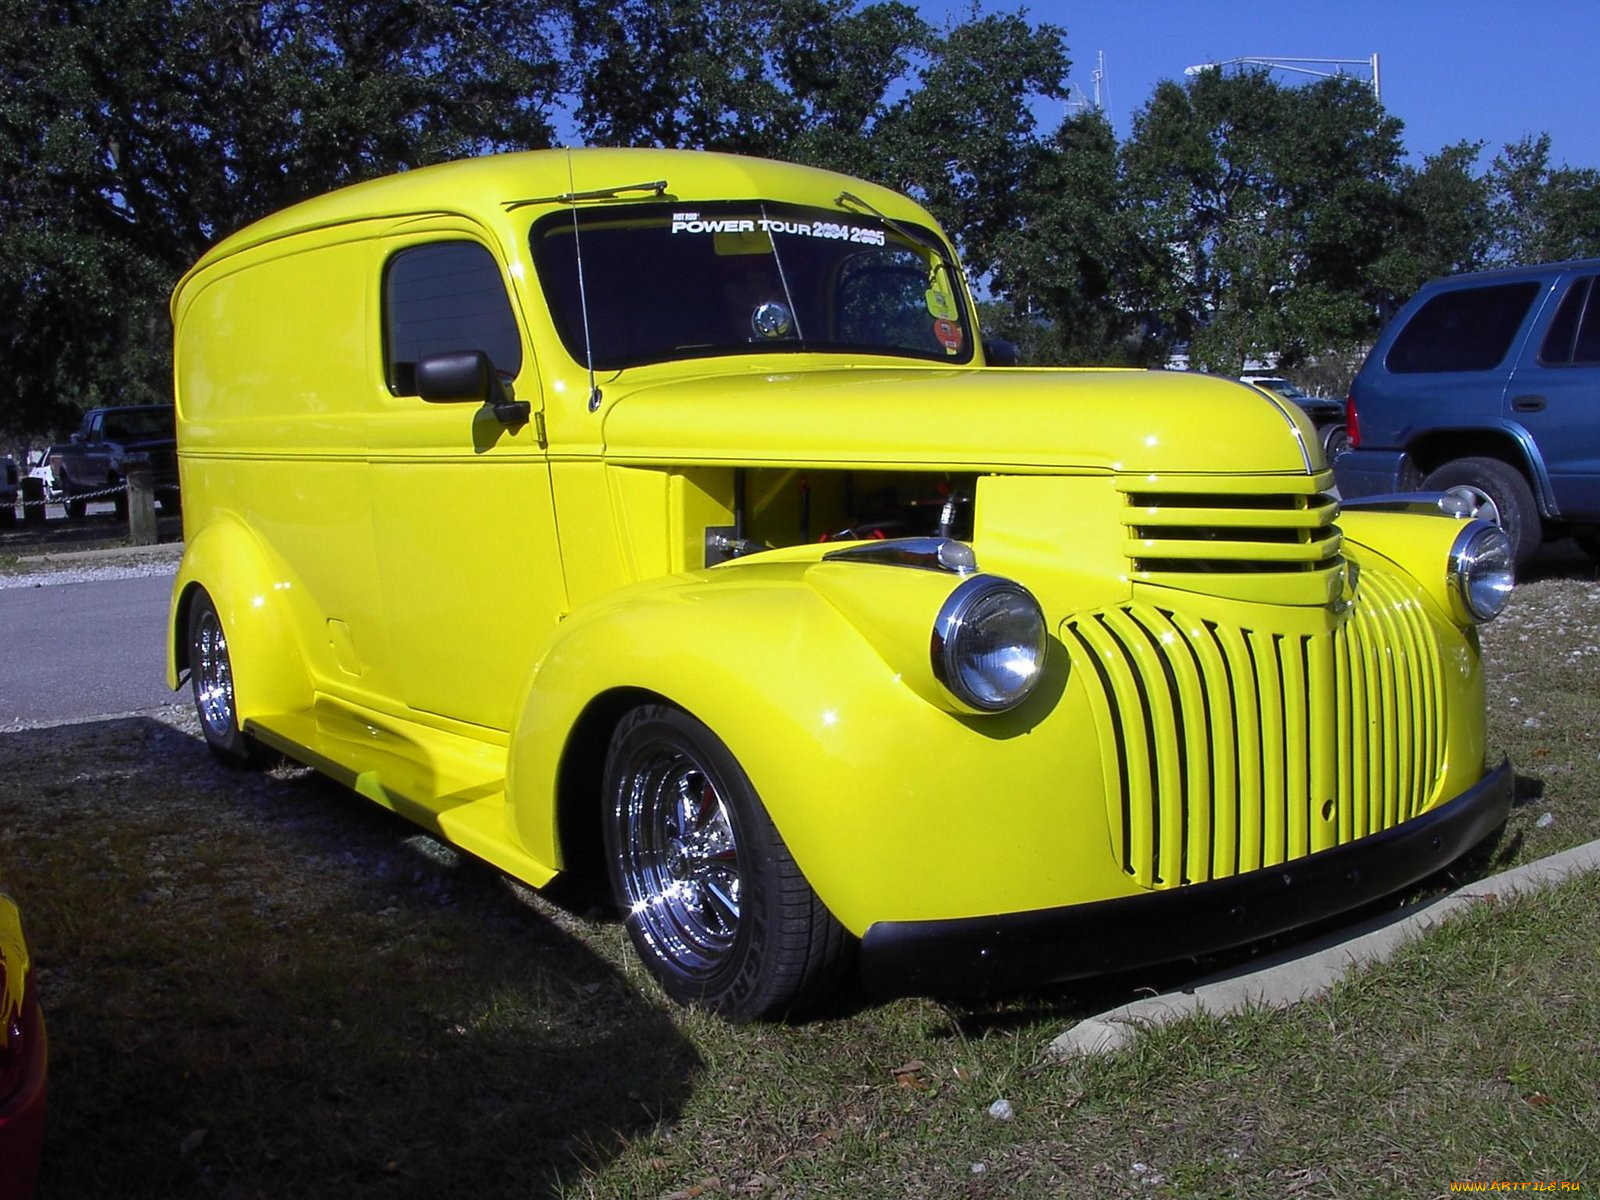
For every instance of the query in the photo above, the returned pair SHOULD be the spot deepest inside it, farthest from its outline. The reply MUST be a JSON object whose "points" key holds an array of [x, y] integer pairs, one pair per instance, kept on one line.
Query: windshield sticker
{"points": [[693, 222], [949, 335], [940, 304]]}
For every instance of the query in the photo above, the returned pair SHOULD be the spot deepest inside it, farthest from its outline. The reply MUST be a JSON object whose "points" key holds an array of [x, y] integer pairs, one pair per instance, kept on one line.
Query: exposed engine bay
{"points": [[789, 507]]}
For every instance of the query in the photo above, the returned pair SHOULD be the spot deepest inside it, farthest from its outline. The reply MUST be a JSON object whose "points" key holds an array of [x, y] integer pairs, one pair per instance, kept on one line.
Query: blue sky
{"points": [[1452, 70]]}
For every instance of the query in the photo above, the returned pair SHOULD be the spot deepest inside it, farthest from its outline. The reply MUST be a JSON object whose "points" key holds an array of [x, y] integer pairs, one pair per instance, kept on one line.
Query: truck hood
{"points": [[996, 419]]}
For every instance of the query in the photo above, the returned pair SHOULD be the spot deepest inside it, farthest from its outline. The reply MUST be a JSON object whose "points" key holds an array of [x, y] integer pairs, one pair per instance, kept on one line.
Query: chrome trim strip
{"points": [[1419, 503], [923, 553], [1294, 427]]}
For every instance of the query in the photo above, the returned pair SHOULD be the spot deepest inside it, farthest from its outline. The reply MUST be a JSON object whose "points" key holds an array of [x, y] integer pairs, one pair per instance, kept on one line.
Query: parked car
{"points": [[10, 490], [1486, 386], [95, 462], [39, 468], [23, 1056], [676, 535], [1326, 413]]}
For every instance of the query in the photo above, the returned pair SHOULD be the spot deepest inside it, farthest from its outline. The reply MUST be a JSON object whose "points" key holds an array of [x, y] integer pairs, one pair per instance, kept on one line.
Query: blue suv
{"points": [[1487, 387]]}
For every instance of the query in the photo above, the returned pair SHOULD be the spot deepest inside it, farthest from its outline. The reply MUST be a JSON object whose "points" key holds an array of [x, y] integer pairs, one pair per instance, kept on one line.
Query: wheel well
{"points": [[1432, 451], [578, 788], [180, 629]]}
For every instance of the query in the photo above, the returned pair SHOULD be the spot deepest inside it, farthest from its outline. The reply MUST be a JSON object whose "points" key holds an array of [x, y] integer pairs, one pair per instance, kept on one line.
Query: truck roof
{"points": [[541, 180]]}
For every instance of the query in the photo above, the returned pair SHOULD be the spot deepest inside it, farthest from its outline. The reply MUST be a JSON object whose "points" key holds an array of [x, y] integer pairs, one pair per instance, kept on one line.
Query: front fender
{"points": [[889, 803], [252, 599]]}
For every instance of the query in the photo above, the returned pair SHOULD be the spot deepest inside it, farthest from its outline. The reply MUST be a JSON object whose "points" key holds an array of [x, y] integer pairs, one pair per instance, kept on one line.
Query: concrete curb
{"points": [[1312, 969], [161, 552]]}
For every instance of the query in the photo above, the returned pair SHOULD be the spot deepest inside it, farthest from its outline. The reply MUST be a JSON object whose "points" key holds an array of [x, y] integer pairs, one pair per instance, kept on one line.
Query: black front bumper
{"points": [[963, 955]]}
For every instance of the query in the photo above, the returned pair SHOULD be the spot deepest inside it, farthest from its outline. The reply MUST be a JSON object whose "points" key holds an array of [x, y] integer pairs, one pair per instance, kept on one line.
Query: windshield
{"points": [[1283, 387], [666, 281]]}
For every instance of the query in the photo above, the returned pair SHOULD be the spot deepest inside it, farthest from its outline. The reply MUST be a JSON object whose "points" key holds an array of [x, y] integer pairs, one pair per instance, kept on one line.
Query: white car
{"points": [[39, 468]]}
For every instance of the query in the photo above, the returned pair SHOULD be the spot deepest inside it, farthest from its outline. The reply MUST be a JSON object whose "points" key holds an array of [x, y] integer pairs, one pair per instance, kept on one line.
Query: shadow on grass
{"points": [[262, 985]]}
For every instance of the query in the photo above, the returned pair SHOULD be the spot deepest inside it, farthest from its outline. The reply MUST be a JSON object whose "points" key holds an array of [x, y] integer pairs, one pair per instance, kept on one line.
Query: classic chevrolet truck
{"points": [[654, 518]]}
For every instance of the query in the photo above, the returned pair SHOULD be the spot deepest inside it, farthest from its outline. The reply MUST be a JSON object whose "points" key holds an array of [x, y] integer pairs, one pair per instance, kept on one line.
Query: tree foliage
{"points": [[1541, 212], [133, 133], [1265, 208], [1443, 224]]}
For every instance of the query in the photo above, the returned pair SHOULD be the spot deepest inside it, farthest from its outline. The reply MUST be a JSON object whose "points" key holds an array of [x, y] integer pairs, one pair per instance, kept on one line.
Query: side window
{"points": [[1469, 329], [1574, 335], [444, 297]]}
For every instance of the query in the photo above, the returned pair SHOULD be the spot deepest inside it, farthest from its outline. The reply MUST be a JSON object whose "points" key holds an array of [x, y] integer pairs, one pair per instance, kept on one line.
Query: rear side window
{"points": [[1574, 336], [441, 298], [1469, 329]]}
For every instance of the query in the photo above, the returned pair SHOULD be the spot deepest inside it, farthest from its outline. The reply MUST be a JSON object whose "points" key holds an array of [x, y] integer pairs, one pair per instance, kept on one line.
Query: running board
{"points": [[451, 785]]}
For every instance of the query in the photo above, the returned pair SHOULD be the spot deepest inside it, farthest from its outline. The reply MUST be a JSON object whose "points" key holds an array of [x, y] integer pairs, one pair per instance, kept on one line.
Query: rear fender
{"points": [[253, 600]]}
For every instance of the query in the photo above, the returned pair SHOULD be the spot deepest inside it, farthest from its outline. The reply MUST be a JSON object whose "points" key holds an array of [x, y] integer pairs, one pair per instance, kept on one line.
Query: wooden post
{"points": [[141, 503], [32, 502]]}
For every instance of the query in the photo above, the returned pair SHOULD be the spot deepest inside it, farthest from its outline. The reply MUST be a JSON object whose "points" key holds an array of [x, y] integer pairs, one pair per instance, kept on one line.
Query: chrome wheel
{"points": [[1475, 502], [1494, 491], [715, 905], [213, 675], [677, 857]]}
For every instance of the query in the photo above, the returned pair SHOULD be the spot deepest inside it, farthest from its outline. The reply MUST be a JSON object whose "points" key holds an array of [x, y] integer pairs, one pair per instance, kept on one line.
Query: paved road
{"points": [[52, 671]]}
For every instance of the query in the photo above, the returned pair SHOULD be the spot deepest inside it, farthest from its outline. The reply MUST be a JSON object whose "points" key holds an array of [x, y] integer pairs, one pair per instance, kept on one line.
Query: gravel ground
{"points": [[87, 566]]}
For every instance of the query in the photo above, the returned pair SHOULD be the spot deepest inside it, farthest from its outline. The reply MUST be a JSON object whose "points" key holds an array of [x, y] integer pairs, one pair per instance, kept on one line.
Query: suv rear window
{"points": [[1469, 329], [1574, 335]]}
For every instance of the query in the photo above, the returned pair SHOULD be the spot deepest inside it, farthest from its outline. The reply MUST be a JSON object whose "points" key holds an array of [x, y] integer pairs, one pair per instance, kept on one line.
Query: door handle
{"points": [[1527, 404]]}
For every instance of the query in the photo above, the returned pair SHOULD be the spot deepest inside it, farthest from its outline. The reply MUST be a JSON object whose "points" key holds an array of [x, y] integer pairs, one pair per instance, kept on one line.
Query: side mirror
{"points": [[460, 377], [468, 377], [998, 352]]}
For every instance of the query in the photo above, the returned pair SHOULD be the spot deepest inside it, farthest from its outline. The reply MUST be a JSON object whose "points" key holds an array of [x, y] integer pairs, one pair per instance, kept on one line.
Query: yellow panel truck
{"points": [[662, 519]]}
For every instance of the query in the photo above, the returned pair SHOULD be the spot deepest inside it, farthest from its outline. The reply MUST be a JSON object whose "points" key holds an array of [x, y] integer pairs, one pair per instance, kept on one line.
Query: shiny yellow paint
{"points": [[14, 965], [445, 612]]}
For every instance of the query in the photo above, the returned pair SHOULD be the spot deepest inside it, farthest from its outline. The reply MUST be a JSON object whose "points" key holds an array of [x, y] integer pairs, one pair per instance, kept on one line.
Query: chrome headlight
{"points": [[989, 643], [1482, 571]]}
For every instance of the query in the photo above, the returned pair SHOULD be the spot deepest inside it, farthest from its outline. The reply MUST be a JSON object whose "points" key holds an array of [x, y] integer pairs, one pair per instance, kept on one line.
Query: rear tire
{"points": [[1498, 493], [1335, 441], [211, 678], [714, 903]]}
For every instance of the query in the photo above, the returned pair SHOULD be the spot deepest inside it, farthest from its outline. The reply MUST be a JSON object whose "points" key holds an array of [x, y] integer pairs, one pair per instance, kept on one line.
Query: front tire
{"points": [[1496, 492], [211, 678], [714, 903]]}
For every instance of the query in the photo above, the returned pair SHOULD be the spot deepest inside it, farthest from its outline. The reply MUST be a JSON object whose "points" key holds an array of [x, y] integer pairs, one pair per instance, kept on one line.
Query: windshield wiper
{"points": [[658, 186], [910, 235]]}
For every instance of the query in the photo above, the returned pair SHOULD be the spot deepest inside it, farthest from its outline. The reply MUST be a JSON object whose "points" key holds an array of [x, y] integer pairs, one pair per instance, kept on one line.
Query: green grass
{"points": [[263, 986]]}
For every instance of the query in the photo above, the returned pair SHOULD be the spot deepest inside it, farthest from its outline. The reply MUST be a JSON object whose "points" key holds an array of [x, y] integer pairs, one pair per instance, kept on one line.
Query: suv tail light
{"points": [[1352, 423]]}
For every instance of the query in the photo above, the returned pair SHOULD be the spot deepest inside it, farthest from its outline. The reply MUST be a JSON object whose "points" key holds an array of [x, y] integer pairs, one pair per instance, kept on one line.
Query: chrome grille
{"points": [[1229, 749]]}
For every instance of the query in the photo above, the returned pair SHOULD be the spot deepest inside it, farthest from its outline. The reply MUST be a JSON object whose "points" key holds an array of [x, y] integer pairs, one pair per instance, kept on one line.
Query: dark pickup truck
{"points": [[95, 462]]}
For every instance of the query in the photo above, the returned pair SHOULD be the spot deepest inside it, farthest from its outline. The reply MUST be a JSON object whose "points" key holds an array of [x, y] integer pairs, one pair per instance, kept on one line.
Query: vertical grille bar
{"points": [[1224, 747], [1167, 734], [1247, 718], [1327, 733]]}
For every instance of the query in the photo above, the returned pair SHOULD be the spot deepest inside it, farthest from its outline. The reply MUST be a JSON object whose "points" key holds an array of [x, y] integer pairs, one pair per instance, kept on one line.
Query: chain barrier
{"points": [[64, 497]]}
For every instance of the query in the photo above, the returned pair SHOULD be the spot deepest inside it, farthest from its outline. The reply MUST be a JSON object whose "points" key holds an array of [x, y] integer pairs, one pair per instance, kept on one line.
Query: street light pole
{"points": [[1296, 65]]}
